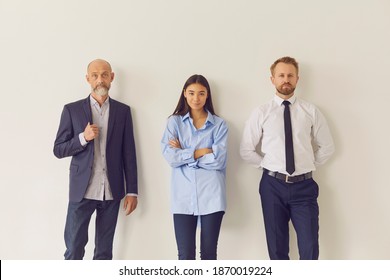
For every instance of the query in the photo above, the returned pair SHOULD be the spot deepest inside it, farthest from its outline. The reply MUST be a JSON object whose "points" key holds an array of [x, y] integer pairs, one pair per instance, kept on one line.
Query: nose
{"points": [[286, 81], [99, 81]]}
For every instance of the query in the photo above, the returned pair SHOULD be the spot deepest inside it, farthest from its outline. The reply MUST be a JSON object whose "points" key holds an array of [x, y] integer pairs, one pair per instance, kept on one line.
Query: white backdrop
{"points": [[154, 46]]}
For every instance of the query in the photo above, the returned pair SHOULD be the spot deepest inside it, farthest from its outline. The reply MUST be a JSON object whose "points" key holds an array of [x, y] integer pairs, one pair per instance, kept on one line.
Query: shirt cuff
{"points": [[132, 194], [83, 142]]}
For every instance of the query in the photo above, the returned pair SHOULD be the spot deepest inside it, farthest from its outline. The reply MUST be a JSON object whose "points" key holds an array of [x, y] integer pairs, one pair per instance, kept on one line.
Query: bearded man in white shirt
{"points": [[294, 139]]}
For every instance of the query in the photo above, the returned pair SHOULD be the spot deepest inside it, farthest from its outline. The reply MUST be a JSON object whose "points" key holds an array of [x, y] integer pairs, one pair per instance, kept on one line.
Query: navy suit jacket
{"points": [[120, 149]]}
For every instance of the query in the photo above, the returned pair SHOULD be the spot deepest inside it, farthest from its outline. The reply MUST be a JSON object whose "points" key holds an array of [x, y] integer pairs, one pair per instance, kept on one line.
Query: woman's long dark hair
{"points": [[182, 107]]}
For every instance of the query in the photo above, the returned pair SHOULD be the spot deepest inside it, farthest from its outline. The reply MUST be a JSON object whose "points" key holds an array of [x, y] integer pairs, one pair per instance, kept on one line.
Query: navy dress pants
{"points": [[76, 228], [185, 231], [282, 202]]}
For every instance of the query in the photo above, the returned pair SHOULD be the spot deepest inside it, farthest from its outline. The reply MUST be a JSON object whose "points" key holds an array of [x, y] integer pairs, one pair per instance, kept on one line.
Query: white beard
{"points": [[101, 91]]}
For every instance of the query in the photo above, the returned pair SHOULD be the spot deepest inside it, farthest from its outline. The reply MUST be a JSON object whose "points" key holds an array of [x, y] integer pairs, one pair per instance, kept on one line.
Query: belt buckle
{"points": [[286, 179]]}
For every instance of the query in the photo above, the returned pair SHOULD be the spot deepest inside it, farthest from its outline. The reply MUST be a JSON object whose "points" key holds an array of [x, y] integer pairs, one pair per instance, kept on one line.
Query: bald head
{"points": [[99, 62]]}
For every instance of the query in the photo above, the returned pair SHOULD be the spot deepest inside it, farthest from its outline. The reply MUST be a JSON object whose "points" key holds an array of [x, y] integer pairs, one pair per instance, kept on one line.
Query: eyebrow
{"points": [[97, 72]]}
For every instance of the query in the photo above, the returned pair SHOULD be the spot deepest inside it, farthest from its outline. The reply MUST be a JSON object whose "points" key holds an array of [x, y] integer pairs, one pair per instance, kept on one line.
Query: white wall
{"points": [[154, 46]]}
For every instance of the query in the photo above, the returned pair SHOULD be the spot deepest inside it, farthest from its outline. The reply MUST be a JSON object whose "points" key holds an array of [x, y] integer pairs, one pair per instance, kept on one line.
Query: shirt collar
{"points": [[95, 102], [279, 100], [210, 117]]}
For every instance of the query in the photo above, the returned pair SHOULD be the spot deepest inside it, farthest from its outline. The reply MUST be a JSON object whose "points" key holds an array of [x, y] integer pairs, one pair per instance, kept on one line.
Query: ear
{"points": [[184, 93], [272, 80], [112, 76], [87, 78]]}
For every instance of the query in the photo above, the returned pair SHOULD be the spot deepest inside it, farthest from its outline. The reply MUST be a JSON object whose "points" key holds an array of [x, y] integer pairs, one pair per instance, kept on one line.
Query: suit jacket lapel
{"points": [[87, 109], [111, 119]]}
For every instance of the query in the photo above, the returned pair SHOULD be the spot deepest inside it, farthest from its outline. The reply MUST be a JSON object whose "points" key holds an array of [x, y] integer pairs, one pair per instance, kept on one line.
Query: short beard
{"points": [[101, 91], [286, 91]]}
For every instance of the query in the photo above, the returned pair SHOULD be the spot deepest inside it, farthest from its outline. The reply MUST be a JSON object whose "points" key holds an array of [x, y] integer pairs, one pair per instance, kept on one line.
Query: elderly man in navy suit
{"points": [[97, 132]]}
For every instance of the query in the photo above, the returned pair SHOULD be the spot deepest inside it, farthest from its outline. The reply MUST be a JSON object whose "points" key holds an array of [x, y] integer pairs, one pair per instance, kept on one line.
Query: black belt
{"points": [[289, 179]]}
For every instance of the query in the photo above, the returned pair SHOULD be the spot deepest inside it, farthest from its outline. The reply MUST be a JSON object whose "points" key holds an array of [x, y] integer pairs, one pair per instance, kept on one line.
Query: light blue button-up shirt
{"points": [[197, 186]]}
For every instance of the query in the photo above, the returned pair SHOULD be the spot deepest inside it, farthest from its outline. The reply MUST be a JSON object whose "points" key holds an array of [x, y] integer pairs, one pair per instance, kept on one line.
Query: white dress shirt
{"points": [[263, 145]]}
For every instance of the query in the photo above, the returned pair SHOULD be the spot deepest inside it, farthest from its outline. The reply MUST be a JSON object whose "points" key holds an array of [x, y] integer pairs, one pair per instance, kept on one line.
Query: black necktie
{"points": [[290, 166]]}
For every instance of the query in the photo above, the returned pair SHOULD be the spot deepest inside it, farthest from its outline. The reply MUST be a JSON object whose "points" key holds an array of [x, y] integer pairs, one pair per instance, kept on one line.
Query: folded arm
{"points": [[214, 157]]}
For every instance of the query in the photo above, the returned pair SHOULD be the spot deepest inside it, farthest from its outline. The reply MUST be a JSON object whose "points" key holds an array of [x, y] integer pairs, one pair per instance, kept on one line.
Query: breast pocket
{"points": [[117, 130], [205, 140]]}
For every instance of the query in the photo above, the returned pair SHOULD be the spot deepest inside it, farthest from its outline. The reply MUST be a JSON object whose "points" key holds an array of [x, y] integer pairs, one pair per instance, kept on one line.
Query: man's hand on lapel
{"points": [[91, 132]]}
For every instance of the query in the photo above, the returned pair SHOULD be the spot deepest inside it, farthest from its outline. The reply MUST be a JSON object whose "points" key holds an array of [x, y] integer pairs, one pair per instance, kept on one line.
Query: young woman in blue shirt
{"points": [[195, 146]]}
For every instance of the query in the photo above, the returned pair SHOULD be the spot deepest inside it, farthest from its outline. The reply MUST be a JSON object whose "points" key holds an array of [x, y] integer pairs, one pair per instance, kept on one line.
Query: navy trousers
{"points": [[282, 202], [185, 232], [76, 228]]}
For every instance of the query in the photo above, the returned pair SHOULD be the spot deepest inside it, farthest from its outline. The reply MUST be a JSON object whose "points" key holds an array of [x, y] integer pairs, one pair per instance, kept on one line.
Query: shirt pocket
{"points": [[205, 140]]}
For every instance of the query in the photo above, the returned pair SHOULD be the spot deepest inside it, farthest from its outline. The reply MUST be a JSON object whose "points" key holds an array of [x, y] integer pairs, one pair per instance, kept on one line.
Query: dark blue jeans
{"points": [[282, 202], [185, 231], [76, 228]]}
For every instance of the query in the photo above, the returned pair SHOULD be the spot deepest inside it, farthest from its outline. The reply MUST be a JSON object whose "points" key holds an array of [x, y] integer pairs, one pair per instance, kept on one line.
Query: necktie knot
{"points": [[286, 103]]}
